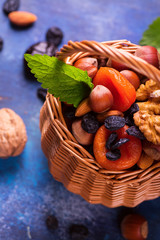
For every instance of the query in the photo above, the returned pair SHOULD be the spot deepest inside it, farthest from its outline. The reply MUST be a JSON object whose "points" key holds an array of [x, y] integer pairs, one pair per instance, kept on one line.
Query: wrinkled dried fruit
{"points": [[133, 109], [111, 139], [39, 48], [52, 222], [10, 6], [134, 131], [90, 123], [113, 155], [78, 232], [129, 121], [41, 93], [1, 43], [54, 35], [113, 123], [119, 143]]}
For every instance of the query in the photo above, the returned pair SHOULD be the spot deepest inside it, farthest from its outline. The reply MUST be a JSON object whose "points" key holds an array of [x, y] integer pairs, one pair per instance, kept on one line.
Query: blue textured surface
{"points": [[28, 193]]}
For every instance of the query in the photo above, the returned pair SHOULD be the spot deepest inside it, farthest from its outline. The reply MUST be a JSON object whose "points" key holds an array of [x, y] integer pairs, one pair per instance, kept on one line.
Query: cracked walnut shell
{"points": [[144, 91], [13, 135], [148, 121]]}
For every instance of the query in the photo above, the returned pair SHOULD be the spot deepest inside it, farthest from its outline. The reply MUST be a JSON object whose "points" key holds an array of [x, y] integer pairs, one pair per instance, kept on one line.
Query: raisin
{"points": [[39, 48], [129, 120], [111, 139], [134, 131], [133, 109], [119, 143], [10, 6], [41, 93], [89, 123], [52, 222], [113, 155], [54, 35], [78, 232], [113, 123], [1, 43]]}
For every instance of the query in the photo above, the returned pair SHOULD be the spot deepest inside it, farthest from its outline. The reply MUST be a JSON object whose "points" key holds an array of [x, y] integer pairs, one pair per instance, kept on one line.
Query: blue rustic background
{"points": [[28, 193]]}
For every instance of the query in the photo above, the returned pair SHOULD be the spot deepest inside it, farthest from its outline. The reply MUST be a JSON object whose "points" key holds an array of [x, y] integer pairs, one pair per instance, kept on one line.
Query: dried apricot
{"points": [[124, 94], [130, 151]]}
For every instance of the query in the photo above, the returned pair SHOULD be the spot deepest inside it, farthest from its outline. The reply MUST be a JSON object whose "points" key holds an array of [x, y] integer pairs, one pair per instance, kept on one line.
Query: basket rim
{"points": [[71, 52]]}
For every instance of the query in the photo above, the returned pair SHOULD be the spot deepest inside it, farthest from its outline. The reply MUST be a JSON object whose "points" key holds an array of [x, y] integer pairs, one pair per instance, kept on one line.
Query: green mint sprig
{"points": [[67, 82], [151, 36]]}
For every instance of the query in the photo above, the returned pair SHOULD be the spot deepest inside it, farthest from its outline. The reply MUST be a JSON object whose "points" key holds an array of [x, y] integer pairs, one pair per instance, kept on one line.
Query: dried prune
{"points": [[54, 35], [52, 222], [78, 232], [39, 48], [41, 93], [111, 140], [10, 6], [113, 123], [134, 131], [113, 155], [133, 109], [119, 143], [1, 43], [129, 120], [90, 123]]}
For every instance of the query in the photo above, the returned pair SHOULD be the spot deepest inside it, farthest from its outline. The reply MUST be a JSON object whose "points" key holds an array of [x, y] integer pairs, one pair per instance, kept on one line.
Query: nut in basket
{"points": [[96, 149]]}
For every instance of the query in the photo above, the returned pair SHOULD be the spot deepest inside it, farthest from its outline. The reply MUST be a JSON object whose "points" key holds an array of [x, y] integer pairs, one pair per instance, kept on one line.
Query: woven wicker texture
{"points": [[76, 168]]}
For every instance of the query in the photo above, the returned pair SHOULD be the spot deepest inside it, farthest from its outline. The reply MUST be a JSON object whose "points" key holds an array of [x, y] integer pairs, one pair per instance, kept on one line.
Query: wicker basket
{"points": [[71, 164]]}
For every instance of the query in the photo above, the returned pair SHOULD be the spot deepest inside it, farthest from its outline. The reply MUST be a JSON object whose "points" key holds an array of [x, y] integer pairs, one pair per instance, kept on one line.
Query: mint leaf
{"points": [[151, 36], [67, 82]]}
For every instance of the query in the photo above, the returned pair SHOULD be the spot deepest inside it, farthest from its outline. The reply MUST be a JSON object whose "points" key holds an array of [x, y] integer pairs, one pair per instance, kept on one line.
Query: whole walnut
{"points": [[13, 135]]}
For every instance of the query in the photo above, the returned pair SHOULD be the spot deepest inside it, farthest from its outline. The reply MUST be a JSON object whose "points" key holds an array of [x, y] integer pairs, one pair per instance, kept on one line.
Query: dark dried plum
{"points": [[90, 123], [10, 6], [133, 109], [113, 155], [54, 35], [39, 48], [119, 143], [113, 123], [52, 222], [129, 120], [41, 93], [78, 232], [111, 139], [1, 43], [134, 131]]}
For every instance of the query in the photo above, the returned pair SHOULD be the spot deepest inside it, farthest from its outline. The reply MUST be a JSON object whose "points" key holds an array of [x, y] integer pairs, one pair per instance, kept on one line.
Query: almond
{"points": [[83, 108], [145, 161], [21, 18]]}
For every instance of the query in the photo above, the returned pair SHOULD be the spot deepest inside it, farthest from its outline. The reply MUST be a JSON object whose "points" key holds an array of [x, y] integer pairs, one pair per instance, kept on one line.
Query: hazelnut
{"points": [[132, 77], [118, 66], [81, 135], [12, 133], [149, 54], [134, 227], [87, 64], [100, 99]]}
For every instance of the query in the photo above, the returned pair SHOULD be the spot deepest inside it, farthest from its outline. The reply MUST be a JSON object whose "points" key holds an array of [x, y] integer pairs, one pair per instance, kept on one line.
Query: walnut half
{"points": [[13, 135]]}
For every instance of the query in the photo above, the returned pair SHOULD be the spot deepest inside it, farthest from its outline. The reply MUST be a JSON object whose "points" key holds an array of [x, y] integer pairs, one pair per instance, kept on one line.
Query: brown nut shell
{"points": [[80, 135], [134, 227]]}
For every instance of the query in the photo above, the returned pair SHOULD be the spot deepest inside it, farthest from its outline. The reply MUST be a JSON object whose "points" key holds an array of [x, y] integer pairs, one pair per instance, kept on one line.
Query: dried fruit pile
{"points": [[122, 131]]}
